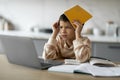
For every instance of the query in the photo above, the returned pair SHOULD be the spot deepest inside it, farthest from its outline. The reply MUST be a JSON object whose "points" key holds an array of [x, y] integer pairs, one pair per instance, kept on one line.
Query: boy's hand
{"points": [[78, 29], [55, 29]]}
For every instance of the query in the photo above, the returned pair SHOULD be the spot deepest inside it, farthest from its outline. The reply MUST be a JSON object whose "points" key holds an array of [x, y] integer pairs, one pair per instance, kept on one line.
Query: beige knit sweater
{"points": [[58, 49]]}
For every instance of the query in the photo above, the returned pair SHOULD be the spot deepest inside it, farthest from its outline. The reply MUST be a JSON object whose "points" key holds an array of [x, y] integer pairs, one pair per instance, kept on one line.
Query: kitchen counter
{"points": [[47, 35], [104, 39], [35, 35]]}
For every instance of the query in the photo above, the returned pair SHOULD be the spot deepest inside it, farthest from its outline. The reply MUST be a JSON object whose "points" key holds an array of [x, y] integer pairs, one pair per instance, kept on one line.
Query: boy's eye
{"points": [[64, 27], [68, 27], [60, 27]]}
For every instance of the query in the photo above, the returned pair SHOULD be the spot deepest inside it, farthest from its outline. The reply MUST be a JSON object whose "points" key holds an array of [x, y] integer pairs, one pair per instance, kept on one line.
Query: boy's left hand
{"points": [[78, 29]]}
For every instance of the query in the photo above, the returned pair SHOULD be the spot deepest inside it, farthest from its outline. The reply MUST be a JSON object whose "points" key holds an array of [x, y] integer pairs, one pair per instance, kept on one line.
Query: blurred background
{"points": [[38, 16], [26, 15]]}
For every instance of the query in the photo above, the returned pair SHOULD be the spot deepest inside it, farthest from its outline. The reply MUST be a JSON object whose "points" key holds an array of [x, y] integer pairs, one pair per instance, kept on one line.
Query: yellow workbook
{"points": [[77, 13]]}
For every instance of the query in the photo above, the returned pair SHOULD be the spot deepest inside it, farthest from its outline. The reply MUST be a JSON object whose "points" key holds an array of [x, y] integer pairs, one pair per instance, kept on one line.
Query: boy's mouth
{"points": [[64, 36]]}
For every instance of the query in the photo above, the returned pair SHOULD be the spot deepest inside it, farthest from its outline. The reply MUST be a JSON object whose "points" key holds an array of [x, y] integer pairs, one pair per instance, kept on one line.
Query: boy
{"points": [[66, 42]]}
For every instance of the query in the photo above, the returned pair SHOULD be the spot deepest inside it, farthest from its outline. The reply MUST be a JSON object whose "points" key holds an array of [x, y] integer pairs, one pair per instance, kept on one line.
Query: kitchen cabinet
{"points": [[107, 50]]}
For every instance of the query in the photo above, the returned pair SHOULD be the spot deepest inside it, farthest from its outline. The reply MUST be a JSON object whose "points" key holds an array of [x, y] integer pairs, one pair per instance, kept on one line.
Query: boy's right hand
{"points": [[55, 29]]}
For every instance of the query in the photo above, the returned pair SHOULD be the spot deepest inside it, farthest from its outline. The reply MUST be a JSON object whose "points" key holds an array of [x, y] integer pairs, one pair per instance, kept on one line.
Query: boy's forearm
{"points": [[52, 39], [82, 49], [78, 37], [54, 35]]}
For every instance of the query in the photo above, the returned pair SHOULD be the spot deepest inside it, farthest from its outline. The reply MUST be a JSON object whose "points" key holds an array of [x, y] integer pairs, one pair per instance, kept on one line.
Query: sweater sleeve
{"points": [[51, 50], [82, 49]]}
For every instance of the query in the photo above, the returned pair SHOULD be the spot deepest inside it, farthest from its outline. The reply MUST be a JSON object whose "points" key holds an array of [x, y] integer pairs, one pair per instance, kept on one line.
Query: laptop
{"points": [[21, 50]]}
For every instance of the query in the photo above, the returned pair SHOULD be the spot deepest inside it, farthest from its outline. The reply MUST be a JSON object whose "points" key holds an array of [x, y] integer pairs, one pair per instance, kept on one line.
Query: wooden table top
{"points": [[10, 71]]}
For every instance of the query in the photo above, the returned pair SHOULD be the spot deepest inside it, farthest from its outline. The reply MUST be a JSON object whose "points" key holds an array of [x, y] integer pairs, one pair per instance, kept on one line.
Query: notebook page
{"points": [[104, 71], [63, 68]]}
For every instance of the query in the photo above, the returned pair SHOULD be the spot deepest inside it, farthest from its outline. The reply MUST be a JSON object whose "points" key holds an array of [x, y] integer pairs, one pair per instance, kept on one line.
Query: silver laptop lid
{"points": [[20, 50]]}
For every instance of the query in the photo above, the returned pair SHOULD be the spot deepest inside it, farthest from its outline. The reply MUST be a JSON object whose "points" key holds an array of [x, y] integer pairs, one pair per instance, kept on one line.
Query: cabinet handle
{"points": [[114, 47]]}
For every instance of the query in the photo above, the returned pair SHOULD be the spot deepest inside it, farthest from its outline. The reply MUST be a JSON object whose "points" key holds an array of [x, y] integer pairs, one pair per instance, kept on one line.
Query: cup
{"points": [[97, 32]]}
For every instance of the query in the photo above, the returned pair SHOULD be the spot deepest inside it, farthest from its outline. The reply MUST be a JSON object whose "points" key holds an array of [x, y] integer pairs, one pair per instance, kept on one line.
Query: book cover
{"points": [[77, 13], [102, 62]]}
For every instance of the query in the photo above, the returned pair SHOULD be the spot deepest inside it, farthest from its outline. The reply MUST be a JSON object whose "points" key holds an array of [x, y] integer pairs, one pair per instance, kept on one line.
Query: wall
{"points": [[27, 13]]}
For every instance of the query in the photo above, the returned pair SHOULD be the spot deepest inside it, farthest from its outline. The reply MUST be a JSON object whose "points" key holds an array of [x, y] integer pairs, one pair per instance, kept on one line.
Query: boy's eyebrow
{"points": [[64, 26]]}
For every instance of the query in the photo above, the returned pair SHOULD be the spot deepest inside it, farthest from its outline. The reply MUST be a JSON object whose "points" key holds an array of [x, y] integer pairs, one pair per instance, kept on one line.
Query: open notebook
{"points": [[94, 69]]}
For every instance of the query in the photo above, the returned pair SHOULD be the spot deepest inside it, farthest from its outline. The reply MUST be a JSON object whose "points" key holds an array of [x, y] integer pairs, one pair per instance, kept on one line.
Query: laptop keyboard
{"points": [[49, 63]]}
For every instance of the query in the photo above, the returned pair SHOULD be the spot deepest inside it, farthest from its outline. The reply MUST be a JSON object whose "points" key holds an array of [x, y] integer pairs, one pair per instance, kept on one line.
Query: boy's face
{"points": [[67, 32]]}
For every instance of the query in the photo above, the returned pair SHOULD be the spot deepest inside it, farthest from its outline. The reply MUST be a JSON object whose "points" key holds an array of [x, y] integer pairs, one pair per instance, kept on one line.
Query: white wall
{"points": [[27, 13]]}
